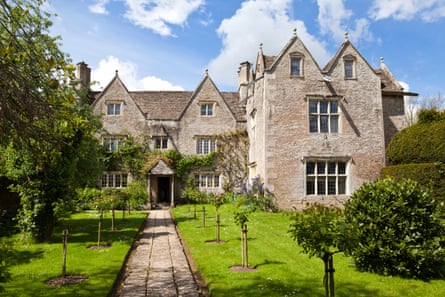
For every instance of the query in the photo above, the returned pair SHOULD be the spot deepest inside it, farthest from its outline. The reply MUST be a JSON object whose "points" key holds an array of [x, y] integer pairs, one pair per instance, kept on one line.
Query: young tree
{"points": [[320, 231]]}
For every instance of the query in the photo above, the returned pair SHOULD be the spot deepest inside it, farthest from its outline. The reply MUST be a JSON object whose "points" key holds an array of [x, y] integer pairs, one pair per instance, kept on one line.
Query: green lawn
{"points": [[282, 269], [32, 264]]}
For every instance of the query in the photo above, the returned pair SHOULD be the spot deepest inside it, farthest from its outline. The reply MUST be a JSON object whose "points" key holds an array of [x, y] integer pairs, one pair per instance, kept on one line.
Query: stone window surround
{"points": [[300, 56], [321, 98], [353, 60], [342, 179], [114, 179], [113, 142], [115, 103], [160, 142], [205, 144], [208, 180], [207, 108]]}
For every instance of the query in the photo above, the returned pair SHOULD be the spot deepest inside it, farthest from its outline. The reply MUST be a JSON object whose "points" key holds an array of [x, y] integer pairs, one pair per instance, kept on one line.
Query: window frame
{"points": [[113, 179], [207, 180], [163, 142], [321, 180], [293, 57], [207, 109], [114, 109], [112, 143], [326, 116], [349, 60], [205, 145]]}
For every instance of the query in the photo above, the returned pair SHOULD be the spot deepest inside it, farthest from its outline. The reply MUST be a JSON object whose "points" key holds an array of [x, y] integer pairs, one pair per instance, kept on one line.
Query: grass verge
{"points": [[30, 265], [282, 270]]}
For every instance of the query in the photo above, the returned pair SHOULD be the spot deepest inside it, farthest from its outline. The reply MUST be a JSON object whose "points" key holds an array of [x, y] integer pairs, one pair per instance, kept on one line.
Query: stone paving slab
{"points": [[159, 266]]}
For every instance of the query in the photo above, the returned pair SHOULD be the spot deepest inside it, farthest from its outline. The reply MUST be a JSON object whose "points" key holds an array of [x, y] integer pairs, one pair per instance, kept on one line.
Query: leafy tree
{"points": [[45, 133], [321, 232], [396, 228]]}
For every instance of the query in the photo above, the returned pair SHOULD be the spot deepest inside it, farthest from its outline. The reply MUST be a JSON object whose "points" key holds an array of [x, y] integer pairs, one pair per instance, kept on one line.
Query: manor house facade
{"points": [[316, 134]]}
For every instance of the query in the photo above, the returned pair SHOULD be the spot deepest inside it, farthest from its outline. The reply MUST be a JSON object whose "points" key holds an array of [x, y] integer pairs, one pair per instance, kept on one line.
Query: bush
{"points": [[430, 175], [397, 231], [420, 143]]}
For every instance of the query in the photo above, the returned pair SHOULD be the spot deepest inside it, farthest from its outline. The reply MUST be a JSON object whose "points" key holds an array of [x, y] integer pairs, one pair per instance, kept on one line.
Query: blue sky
{"points": [[168, 44]]}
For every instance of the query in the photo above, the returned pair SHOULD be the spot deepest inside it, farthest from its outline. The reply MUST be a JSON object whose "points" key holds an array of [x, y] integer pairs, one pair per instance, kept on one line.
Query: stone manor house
{"points": [[316, 134]]}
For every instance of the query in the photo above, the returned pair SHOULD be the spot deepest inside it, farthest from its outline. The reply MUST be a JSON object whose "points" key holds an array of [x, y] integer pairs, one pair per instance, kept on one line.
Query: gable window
{"points": [[207, 180], [323, 116], [114, 108], [207, 109], [325, 177], [113, 143], [114, 180], [349, 68], [161, 142], [205, 145], [295, 66]]}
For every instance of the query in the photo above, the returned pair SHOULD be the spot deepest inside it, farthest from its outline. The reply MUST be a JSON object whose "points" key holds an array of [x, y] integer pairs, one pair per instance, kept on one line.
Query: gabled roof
{"points": [[276, 59], [231, 99], [170, 105], [339, 54], [389, 82]]}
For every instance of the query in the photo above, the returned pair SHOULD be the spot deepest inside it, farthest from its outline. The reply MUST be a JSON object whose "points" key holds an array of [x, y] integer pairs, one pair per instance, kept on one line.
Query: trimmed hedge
{"points": [[430, 175], [420, 143]]}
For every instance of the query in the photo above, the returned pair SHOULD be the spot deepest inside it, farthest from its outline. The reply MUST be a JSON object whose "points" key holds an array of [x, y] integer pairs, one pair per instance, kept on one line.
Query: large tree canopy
{"points": [[46, 144]]}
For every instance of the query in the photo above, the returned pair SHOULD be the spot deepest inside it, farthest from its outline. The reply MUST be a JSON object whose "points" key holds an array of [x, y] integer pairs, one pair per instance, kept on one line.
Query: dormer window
{"points": [[207, 109], [114, 108], [349, 67], [296, 65]]}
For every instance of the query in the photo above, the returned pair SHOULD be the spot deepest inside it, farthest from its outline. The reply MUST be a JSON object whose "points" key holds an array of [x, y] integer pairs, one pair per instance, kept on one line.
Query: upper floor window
{"points": [[161, 142], [205, 145], [207, 109], [114, 180], [114, 108], [349, 66], [113, 143], [295, 66], [323, 116], [325, 177]]}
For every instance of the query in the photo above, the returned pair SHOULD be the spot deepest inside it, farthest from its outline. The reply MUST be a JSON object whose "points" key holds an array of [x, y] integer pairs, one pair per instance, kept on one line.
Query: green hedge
{"points": [[420, 143], [431, 175]]}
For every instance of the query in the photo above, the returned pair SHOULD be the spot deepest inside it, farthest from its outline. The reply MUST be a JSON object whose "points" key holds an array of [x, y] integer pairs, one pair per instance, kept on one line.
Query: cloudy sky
{"points": [[169, 44]]}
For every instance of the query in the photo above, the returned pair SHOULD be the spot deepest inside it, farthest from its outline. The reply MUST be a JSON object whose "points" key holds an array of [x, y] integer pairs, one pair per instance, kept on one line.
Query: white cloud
{"points": [[429, 10], [258, 21], [127, 71], [158, 15], [99, 7], [333, 18]]}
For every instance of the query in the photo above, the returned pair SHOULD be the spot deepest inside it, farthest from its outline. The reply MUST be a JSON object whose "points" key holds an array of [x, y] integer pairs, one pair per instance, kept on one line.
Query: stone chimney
{"points": [[83, 75], [245, 77]]}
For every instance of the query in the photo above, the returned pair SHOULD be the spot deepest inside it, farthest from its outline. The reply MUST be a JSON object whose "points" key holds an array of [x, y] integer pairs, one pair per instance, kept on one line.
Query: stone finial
{"points": [[382, 60], [117, 72], [295, 32], [207, 72], [346, 36]]}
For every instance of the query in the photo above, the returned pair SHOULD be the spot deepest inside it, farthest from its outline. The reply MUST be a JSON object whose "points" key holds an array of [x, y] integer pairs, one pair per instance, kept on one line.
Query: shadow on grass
{"points": [[261, 286], [80, 230], [15, 257]]}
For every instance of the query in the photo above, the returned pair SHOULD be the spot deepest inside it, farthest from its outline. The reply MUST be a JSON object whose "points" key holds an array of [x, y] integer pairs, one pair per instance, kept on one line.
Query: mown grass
{"points": [[30, 265], [282, 270]]}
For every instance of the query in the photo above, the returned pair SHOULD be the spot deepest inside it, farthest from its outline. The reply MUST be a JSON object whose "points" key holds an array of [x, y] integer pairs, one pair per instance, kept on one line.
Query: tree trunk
{"points": [[64, 246], [99, 230], [203, 217], [245, 255], [113, 220], [217, 228], [329, 275]]}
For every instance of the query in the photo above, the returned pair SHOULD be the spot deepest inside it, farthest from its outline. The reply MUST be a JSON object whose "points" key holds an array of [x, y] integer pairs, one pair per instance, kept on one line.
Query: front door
{"points": [[164, 189]]}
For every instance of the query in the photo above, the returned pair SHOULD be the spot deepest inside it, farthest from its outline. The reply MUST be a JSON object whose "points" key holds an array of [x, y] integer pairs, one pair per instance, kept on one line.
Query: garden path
{"points": [[158, 265]]}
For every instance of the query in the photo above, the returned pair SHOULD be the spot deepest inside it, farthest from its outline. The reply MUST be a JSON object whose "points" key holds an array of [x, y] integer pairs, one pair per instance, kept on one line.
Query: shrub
{"points": [[420, 143], [397, 231]]}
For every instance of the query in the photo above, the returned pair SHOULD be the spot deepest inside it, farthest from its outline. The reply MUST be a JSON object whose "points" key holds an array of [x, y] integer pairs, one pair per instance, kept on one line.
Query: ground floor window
{"points": [[326, 177], [207, 180], [114, 180]]}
